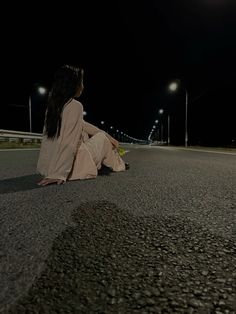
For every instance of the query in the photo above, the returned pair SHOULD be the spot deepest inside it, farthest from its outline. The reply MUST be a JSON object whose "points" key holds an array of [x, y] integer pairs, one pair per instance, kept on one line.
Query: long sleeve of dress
{"points": [[90, 128]]}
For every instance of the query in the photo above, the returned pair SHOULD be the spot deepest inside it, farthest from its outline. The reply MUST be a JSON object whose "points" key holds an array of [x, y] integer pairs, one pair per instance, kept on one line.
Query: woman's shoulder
{"points": [[73, 105]]}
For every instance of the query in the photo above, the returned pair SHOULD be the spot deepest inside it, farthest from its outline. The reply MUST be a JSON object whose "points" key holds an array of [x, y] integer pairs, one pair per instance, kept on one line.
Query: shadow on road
{"points": [[23, 183], [29, 182], [110, 262]]}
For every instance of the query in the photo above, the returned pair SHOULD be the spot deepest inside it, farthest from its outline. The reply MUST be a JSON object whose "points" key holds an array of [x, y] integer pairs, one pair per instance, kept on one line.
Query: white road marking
{"points": [[175, 148]]}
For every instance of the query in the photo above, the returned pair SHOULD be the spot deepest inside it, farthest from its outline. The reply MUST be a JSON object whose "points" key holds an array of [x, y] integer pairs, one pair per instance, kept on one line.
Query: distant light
{"points": [[102, 122], [161, 111], [117, 130], [111, 127], [156, 121], [85, 113], [173, 86], [42, 90]]}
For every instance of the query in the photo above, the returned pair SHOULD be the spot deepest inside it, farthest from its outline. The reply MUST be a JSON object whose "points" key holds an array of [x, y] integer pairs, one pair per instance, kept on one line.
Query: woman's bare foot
{"points": [[47, 181]]}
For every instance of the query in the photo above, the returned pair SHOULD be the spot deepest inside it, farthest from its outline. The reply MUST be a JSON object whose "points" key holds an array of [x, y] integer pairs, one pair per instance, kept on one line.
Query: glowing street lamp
{"points": [[111, 130], [161, 111], [173, 87], [42, 91]]}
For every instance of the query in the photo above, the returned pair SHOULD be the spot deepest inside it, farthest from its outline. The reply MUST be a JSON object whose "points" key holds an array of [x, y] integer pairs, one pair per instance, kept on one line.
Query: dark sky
{"points": [[130, 51]]}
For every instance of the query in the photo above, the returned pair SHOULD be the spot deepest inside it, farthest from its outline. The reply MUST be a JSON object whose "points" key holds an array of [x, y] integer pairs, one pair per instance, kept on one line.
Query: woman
{"points": [[71, 148]]}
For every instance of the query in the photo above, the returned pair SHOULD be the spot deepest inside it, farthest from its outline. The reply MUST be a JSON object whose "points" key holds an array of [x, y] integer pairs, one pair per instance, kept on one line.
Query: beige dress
{"points": [[79, 151]]}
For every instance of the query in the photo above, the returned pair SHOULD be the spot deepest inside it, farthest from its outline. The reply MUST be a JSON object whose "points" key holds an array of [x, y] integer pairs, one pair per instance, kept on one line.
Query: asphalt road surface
{"points": [[158, 238]]}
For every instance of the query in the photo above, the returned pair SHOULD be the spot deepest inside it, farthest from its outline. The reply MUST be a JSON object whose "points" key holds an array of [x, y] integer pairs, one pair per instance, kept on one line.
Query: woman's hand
{"points": [[47, 181], [114, 142]]}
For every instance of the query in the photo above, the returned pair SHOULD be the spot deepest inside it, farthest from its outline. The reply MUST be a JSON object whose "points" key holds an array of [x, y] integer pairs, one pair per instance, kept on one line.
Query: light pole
{"points": [[173, 87], [161, 111], [168, 138], [157, 132], [122, 137], [102, 124], [111, 128], [117, 131], [30, 119], [42, 91], [186, 118]]}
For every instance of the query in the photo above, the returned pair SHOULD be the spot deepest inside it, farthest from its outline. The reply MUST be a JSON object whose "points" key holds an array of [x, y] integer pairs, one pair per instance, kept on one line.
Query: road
{"points": [[158, 238]]}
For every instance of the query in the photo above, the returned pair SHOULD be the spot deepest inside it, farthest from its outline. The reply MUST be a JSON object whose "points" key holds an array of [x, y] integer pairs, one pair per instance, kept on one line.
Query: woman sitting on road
{"points": [[71, 148]]}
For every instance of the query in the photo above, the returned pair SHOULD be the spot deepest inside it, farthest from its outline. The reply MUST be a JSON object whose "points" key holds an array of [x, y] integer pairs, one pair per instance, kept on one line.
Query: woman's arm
{"points": [[114, 142], [92, 130]]}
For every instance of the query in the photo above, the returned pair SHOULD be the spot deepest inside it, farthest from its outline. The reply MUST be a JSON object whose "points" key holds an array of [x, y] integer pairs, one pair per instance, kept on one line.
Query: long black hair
{"points": [[67, 80]]}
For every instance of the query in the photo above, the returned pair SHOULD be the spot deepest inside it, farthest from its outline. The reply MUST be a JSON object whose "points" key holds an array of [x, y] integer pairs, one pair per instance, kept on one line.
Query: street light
{"points": [[42, 91], [111, 128], [122, 136], [161, 111], [168, 130], [173, 87], [117, 131]]}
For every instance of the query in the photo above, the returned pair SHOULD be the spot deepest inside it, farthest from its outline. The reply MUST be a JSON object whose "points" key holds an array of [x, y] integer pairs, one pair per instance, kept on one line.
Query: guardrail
{"points": [[20, 135]]}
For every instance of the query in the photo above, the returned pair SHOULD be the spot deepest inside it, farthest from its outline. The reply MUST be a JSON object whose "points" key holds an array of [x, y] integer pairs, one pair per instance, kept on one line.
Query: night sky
{"points": [[130, 52]]}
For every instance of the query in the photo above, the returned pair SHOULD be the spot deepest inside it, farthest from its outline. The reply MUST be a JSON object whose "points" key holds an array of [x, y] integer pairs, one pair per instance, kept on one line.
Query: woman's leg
{"points": [[102, 152]]}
